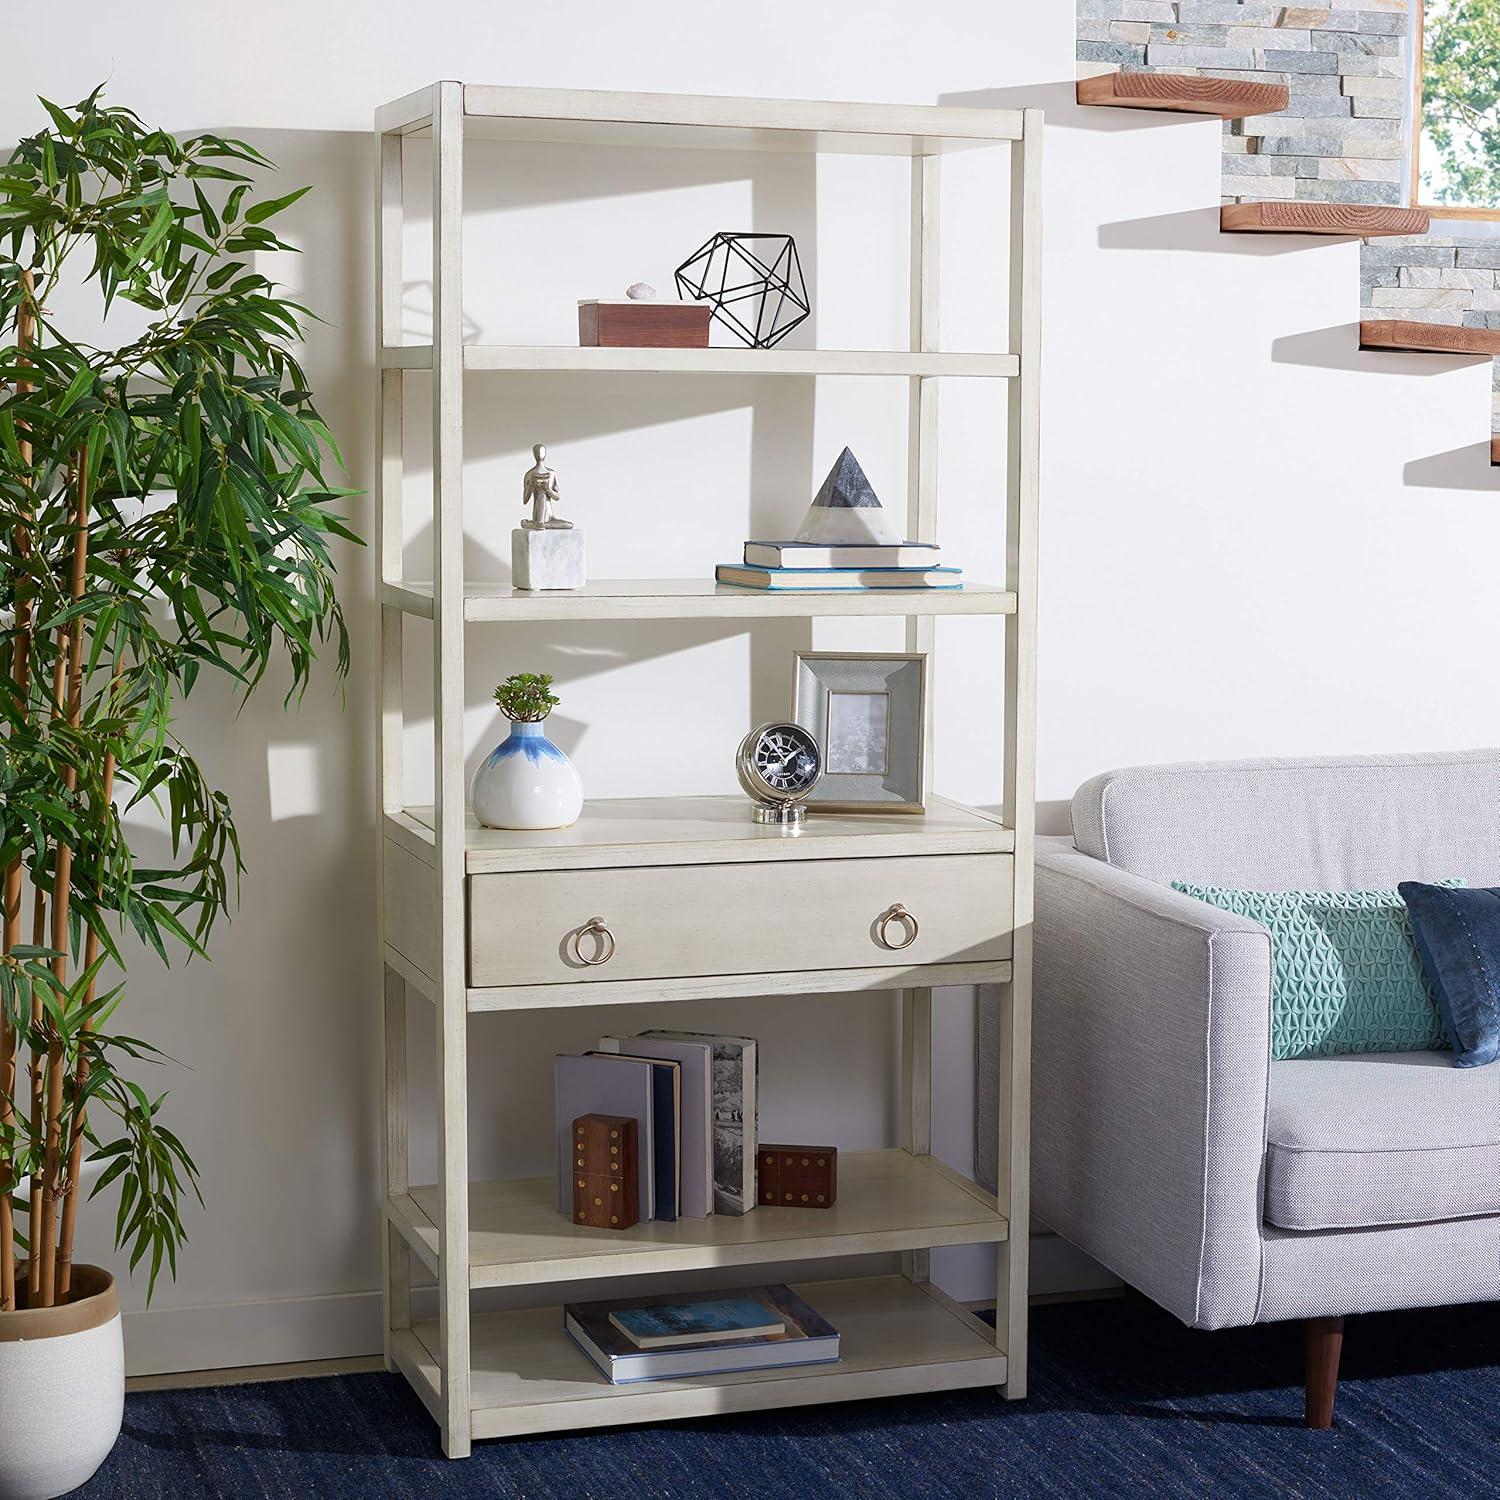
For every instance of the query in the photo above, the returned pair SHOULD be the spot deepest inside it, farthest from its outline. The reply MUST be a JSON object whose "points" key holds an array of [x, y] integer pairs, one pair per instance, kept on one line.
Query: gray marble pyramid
{"points": [[846, 511]]}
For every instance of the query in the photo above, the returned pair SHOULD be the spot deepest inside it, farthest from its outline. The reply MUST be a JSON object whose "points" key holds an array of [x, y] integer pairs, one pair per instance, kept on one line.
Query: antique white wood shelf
{"points": [[475, 919]]}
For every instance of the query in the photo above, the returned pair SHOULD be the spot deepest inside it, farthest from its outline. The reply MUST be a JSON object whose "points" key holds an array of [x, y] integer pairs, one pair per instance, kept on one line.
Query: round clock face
{"points": [[785, 757], [779, 764]]}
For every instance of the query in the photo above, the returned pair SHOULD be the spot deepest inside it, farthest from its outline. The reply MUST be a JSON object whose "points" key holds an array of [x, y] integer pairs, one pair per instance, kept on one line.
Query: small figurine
{"points": [[539, 490]]}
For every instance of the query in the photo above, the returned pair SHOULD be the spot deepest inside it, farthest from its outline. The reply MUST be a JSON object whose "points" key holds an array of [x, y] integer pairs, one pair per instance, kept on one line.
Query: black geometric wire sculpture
{"points": [[733, 271]]}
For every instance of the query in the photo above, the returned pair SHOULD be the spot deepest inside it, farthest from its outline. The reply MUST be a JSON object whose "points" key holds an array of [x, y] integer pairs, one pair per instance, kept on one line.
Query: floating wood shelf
{"points": [[1427, 338], [1359, 219], [1229, 98]]}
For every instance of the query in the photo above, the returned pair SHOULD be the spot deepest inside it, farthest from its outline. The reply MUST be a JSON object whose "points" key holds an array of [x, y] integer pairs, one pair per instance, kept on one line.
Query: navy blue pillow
{"points": [[1458, 938]]}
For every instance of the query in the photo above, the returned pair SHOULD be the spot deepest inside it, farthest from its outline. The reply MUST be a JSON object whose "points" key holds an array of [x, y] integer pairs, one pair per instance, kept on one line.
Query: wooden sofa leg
{"points": [[1322, 1343]]}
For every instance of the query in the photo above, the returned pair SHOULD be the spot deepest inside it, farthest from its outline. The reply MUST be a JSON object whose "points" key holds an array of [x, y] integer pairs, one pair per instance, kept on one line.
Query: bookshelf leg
{"points": [[1013, 1172], [916, 1100], [397, 1268]]}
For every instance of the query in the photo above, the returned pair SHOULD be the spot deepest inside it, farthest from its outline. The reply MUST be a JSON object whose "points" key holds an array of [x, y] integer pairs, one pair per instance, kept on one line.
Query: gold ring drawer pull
{"points": [[897, 913], [594, 927]]}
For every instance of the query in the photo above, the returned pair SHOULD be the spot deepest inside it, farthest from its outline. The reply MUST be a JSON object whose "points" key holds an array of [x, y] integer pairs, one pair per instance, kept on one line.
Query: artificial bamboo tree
{"points": [[168, 512]]}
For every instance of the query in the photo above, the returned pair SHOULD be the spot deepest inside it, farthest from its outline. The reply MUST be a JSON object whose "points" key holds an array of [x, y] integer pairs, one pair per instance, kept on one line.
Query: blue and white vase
{"points": [[527, 782]]}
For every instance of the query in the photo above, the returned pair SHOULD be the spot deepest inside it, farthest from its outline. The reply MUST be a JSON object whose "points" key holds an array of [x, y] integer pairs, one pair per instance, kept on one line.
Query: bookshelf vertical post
{"points": [[448, 759], [1013, 1172]]}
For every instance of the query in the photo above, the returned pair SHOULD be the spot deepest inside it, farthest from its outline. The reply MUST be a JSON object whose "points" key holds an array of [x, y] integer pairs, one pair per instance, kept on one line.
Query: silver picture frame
{"points": [[868, 712]]}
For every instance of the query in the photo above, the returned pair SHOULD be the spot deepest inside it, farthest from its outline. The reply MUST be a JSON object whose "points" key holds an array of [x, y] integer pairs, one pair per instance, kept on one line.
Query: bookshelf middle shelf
{"points": [[696, 599], [888, 1201]]}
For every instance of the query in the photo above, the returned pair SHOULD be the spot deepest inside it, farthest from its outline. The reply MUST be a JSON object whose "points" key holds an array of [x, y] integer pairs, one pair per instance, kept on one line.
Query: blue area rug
{"points": [[1125, 1401]]}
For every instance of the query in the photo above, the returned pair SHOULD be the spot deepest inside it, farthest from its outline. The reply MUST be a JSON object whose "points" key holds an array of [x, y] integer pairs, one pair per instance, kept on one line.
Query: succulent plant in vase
{"points": [[526, 781]]}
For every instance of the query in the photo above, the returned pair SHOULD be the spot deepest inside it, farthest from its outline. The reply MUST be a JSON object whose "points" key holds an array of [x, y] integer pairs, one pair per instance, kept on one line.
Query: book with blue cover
{"points": [[716, 1320], [666, 1131], [803, 1339], [822, 580]]}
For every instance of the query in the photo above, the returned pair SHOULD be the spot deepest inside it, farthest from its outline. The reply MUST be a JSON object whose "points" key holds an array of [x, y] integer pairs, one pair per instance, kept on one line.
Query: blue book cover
{"points": [[803, 1338], [712, 1321], [825, 580]]}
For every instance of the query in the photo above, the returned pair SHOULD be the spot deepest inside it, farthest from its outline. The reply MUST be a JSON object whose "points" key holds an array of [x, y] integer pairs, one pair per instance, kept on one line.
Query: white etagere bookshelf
{"points": [[965, 871]]}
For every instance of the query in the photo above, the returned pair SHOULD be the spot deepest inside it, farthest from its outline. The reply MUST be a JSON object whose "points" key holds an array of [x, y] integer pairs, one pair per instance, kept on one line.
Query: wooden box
{"points": [[605, 1164], [643, 325], [797, 1176]]}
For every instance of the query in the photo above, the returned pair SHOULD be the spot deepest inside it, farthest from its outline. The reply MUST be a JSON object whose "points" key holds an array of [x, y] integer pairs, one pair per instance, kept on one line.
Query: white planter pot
{"points": [[62, 1389], [526, 782]]}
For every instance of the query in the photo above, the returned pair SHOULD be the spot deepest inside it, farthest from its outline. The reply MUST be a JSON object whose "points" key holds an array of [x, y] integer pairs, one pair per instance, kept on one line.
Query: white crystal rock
{"points": [[640, 291]]}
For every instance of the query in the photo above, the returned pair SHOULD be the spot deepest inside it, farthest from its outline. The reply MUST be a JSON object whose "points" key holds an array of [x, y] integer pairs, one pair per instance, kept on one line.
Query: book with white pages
{"points": [[851, 555], [696, 1178], [827, 580], [734, 1068]]}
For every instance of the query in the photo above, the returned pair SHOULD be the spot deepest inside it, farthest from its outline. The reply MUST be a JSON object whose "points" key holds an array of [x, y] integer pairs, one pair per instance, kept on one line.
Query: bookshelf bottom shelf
{"points": [[528, 1377]]}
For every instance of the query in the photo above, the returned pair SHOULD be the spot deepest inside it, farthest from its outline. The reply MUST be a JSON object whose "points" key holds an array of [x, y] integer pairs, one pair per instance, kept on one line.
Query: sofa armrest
{"points": [[1152, 1050]]}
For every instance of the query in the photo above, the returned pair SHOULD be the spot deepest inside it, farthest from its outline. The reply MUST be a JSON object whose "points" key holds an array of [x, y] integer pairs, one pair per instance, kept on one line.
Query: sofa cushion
{"points": [[1458, 935], [1353, 823], [1345, 976], [1363, 1142]]}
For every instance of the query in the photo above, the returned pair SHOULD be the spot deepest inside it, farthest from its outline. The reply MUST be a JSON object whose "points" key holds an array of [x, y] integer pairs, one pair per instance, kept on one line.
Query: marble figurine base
{"points": [[547, 559]]}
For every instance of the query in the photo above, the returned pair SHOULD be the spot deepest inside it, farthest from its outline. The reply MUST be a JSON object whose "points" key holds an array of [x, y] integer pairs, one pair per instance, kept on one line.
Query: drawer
{"points": [[681, 921]]}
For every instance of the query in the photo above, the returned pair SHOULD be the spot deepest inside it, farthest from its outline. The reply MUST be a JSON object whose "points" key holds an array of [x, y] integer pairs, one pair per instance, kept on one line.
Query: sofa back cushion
{"points": [[1337, 824]]}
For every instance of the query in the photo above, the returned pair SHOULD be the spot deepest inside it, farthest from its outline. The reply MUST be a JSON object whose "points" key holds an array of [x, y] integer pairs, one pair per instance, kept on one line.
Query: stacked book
{"points": [[692, 1096], [793, 566], [706, 1333]]}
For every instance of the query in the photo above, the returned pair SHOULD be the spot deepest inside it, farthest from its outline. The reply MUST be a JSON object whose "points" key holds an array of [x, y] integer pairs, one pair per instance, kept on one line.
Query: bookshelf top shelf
{"points": [[589, 117], [533, 358]]}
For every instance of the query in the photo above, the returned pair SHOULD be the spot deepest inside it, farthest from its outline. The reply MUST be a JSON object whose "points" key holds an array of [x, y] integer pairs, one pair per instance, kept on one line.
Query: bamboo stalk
{"points": [[38, 936], [43, 1236], [81, 1074], [38, 1057], [21, 676]]}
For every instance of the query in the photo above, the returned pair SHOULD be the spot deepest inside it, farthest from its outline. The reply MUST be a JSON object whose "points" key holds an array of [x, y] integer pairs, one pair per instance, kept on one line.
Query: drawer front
{"points": [[680, 921]]}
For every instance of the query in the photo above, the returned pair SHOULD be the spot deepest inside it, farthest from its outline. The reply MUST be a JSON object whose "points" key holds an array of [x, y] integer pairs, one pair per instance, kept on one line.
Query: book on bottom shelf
{"points": [[722, 1320], [803, 1339]]}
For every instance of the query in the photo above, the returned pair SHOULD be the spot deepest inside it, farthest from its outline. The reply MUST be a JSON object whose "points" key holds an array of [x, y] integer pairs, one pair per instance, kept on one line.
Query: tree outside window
{"points": [[1457, 156]]}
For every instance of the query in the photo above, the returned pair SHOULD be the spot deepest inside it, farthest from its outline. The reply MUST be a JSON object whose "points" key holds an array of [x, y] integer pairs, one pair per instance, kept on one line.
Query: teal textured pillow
{"points": [[1345, 973]]}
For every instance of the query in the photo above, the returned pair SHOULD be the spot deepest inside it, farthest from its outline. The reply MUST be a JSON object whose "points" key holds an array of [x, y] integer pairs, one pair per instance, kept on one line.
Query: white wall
{"points": [[1254, 541]]}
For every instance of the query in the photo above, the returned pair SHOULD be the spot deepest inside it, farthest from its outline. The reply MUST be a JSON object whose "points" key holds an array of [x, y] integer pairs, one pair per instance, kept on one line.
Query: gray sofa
{"points": [[1229, 1188]]}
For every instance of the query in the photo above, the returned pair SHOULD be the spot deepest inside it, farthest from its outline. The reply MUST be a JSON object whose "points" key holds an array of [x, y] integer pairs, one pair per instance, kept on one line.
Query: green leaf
{"points": [[263, 211]]}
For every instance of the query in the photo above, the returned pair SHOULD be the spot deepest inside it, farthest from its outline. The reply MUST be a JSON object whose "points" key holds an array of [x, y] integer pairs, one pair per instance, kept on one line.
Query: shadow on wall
{"points": [[1337, 348], [1466, 468], [1060, 100], [1197, 230]]}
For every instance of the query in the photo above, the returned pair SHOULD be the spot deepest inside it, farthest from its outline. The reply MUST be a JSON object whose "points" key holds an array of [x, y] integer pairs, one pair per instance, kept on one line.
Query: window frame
{"points": [[1418, 71]]}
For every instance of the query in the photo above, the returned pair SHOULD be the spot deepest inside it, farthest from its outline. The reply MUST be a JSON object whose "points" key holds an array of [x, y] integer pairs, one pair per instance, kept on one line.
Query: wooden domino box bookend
{"points": [[797, 1176], [605, 1164], [643, 325]]}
